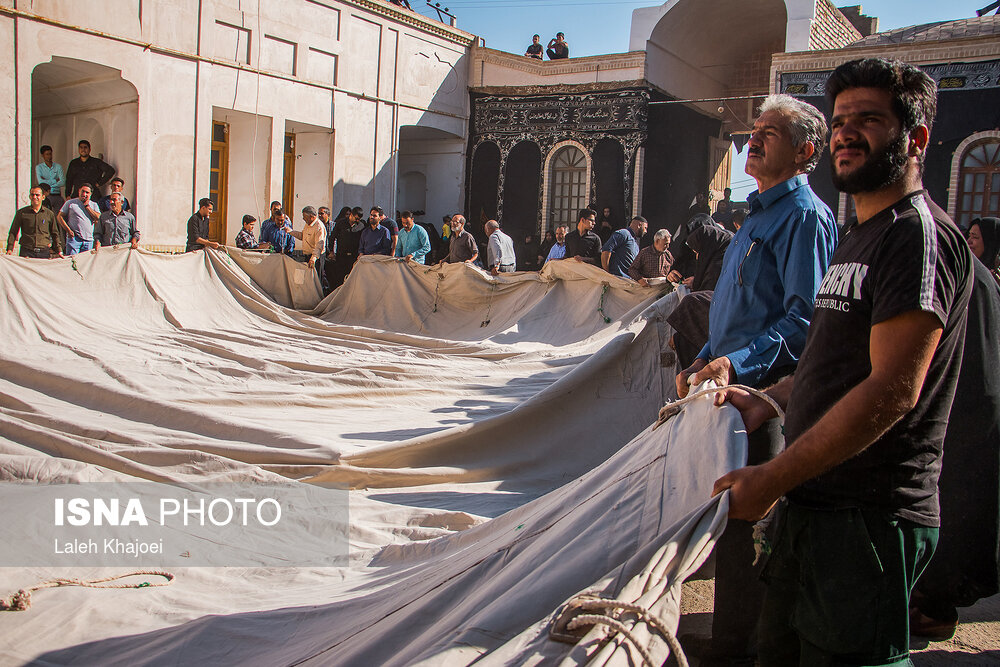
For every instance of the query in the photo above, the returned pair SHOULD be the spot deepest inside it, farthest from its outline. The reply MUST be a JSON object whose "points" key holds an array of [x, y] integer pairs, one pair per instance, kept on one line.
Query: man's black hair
{"points": [[44, 148], [406, 214], [82, 142], [205, 201], [377, 209], [913, 92], [586, 213]]}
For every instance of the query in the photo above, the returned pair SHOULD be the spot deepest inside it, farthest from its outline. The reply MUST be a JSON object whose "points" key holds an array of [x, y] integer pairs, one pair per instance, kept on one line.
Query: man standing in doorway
{"points": [[77, 217], [86, 169], [758, 318], [51, 173], [197, 227], [37, 228], [117, 185], [868, 406]]}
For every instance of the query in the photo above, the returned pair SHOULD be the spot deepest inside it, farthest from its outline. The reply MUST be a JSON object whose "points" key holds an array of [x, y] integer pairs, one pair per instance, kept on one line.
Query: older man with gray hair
{"points": [[499, 249], [313, 237], [462, 247], [760, 312], [653, 261]]}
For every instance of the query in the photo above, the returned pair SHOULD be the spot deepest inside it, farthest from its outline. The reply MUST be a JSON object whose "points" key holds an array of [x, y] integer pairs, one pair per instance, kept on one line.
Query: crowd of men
{"points": [[54, 225], [331, 246], [857, 334]]}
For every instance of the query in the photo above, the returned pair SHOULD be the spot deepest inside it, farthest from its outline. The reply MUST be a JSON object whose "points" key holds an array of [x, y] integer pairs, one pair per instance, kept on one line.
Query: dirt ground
{"points": [[977, 641]]}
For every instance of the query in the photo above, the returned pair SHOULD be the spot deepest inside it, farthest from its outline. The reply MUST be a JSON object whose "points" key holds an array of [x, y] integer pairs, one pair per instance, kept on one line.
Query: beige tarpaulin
{"points": [[495, 432]]}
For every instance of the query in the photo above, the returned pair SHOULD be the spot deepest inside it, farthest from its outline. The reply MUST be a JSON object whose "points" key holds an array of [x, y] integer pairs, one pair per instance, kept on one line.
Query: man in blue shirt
{"points": [[622, 246], [414, 243], [375, 239], [275, 230], [558, 250], [758, 319]]}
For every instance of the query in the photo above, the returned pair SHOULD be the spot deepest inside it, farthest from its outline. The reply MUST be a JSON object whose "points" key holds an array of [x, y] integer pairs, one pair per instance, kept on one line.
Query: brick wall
{"points": [[754, 68], [830, 28]]}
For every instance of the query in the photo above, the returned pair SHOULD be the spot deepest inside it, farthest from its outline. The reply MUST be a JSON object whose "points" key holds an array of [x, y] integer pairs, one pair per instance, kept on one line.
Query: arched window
{"points": [[569, 185], [979, 182]]}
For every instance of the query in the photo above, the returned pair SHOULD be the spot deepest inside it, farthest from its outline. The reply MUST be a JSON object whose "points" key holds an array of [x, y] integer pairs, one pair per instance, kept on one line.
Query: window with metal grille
{"points": [[569, 186], [979, 182]]}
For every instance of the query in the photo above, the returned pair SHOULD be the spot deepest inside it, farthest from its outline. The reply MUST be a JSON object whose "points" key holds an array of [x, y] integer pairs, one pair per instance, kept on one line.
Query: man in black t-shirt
{"points": [[582, 243], [869, 402], [534, 49]]}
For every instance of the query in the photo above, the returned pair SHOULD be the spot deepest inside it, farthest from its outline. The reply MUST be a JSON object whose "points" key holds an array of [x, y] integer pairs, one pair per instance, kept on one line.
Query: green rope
{"points": [[72, 261], [600, 308]]}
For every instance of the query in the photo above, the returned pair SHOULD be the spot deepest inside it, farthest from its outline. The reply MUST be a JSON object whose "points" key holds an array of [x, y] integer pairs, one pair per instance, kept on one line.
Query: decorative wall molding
{"points": [[966, 50], [416, 20], [603, 63], [949, 76]]}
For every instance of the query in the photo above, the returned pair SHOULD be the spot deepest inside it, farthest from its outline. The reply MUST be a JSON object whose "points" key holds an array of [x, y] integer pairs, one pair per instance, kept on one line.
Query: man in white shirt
{"points": [[499, 249], [313, 237]]}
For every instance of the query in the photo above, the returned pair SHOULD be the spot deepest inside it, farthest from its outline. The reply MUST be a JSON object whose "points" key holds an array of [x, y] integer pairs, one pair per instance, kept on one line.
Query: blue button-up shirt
{"points": [[414, 242], [280, 240], [52, 175], [770, 274], [377, 241]]}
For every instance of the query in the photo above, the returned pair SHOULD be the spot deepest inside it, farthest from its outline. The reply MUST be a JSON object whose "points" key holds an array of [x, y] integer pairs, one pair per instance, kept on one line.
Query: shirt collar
{"points": [[764, 199]]}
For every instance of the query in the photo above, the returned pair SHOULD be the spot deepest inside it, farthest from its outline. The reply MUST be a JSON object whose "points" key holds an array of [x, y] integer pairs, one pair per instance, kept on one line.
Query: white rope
{"points": [[604, 605], [21, 600], [671, 409]]}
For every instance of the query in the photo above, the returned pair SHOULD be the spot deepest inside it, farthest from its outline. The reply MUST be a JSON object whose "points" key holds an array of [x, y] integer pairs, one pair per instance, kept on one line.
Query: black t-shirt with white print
{"points": [[910, 256]]}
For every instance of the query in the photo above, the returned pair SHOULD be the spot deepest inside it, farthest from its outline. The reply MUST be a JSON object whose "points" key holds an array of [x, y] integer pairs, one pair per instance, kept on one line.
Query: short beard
{"points": [[879, 171]]}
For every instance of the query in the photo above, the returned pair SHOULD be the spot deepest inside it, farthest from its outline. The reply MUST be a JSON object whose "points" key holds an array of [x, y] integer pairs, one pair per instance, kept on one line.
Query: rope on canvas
{"points": [[600, 308], [671, 409], [608, 611], [21, 600]]}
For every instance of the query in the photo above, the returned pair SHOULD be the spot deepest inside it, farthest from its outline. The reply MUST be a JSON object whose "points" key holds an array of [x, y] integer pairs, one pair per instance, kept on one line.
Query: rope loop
{"points": [[607, 612], [673, 408]]}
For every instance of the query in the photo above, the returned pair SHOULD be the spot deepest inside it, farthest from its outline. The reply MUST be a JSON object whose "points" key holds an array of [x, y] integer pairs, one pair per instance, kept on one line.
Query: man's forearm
{"points": [[605, 259], [850, 426]]}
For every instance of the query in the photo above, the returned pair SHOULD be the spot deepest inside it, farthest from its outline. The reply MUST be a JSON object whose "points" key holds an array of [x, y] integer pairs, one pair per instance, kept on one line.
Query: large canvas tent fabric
{"points": [[496, 435]]}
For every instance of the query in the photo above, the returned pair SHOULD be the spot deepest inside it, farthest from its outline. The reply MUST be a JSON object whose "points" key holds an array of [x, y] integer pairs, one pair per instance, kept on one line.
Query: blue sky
{"points": [[595, 27]]}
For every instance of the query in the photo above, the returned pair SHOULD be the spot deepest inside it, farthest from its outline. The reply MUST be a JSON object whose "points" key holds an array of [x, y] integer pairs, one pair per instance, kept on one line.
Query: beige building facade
{"points": [[308, 102]]}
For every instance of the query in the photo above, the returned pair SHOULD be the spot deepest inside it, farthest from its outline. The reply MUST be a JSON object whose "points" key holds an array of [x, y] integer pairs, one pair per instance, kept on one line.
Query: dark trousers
{"points": [[337, 270], [739, 592], [37, 253], [838, 587]]}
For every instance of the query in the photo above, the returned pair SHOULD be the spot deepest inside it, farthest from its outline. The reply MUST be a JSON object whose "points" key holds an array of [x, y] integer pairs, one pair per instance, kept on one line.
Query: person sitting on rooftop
{"points": [[558, 47], [535, 48]]}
